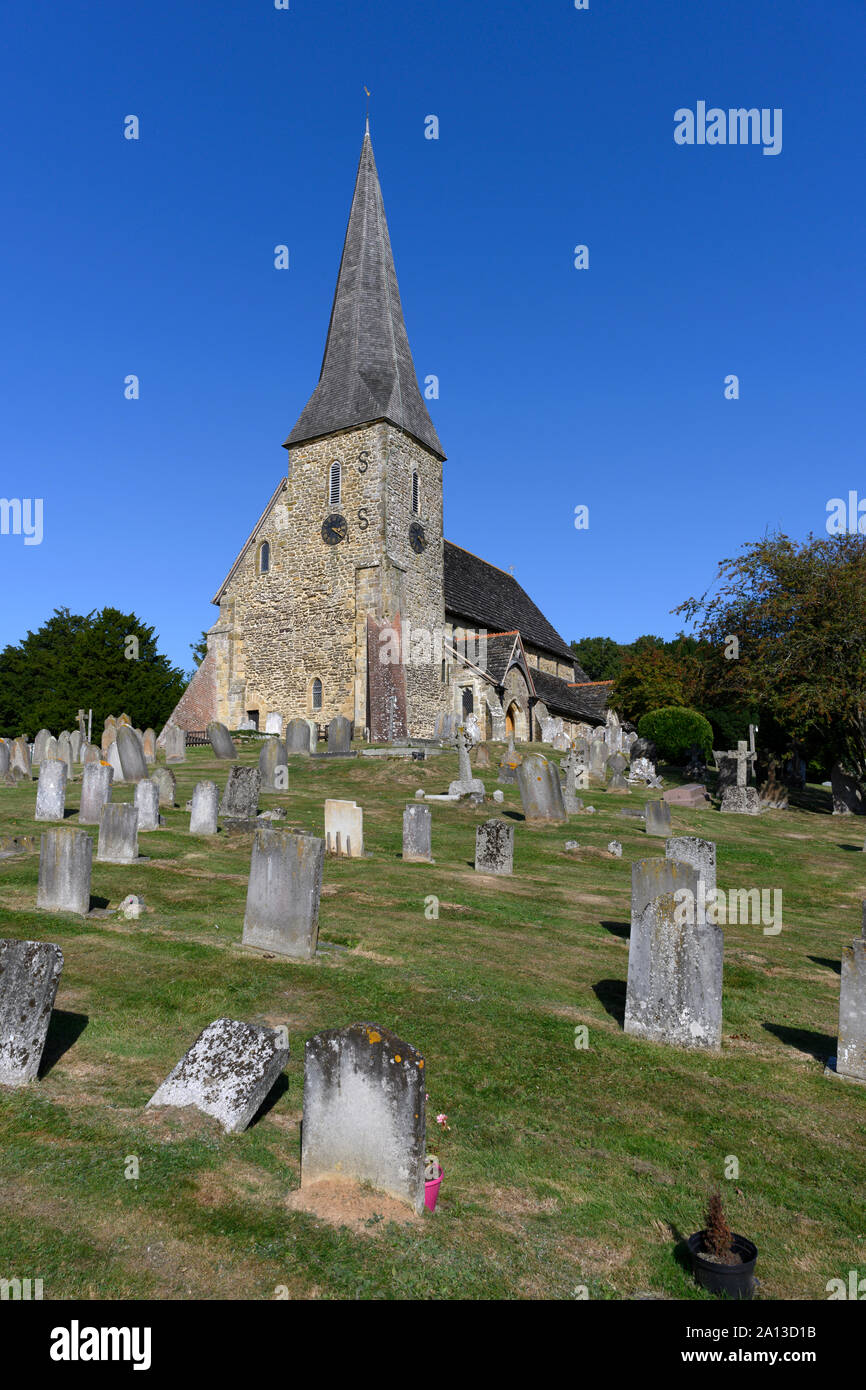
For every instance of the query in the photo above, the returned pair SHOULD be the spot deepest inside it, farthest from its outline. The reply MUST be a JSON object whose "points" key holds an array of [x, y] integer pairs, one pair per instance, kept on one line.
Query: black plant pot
{"points": [[730, 1281]]}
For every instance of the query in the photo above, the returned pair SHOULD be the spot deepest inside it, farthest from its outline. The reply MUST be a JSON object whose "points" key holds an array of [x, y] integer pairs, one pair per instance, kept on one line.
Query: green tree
{"points": [[797, 612], [107, 661], [199, 649], [600, 657]]}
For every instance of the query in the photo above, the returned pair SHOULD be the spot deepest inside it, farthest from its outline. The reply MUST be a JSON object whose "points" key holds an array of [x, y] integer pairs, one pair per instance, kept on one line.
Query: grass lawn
{"points": [[563, 1167]]}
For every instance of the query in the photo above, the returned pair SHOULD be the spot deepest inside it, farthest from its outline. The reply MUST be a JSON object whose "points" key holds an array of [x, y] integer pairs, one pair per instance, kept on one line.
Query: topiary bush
{"points": [[674, 730]]}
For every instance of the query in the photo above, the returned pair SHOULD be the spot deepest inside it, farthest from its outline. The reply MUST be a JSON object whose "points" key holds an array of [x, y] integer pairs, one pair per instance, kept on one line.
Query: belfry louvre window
{"points": [[264, 557], [335, 488], [317, 693], [416, 494]]}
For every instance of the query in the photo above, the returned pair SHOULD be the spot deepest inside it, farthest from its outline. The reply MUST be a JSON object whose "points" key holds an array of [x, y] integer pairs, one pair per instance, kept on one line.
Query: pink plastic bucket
{"points": [[431, 1190]]}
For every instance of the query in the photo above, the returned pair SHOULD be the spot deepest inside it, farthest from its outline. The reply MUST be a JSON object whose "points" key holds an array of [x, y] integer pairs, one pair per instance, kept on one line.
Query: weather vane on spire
{"points": [[367, 90]]}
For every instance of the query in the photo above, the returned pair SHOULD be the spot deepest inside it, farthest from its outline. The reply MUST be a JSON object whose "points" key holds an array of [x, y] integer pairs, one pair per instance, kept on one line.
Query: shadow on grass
{"points": [[818, 1045], [830, 964], [817, 799], [611, 995], [64, 1030], [622, 929], [277, 1091], [853, 849]]}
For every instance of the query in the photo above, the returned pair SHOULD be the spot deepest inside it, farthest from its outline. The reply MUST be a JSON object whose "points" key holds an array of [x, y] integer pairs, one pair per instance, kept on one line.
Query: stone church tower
{"points": [[355, 530]]}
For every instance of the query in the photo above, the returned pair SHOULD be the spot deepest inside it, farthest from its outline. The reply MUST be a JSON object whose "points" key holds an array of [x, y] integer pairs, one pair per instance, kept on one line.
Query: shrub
{"points": [[675, 730]]}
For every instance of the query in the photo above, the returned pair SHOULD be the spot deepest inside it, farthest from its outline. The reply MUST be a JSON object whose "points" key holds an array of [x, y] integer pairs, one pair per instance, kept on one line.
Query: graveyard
{"points": [[576, 1156]]}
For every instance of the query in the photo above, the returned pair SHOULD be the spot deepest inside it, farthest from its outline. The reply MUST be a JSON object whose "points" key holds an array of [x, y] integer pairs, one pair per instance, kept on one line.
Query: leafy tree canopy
{"points": [[107, 661], [600, 657]]}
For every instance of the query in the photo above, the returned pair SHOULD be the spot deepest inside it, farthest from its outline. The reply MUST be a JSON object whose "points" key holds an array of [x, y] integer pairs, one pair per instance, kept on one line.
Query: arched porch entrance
{"points": [[516, 723]]}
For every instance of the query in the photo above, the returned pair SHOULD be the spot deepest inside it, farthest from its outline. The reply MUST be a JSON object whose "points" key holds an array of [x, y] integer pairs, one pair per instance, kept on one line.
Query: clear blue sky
{"points": [[559, 387]]}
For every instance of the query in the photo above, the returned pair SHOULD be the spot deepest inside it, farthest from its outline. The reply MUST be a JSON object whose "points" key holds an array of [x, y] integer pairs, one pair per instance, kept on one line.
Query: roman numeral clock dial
{"points": [[335, 528], [417, 538]]}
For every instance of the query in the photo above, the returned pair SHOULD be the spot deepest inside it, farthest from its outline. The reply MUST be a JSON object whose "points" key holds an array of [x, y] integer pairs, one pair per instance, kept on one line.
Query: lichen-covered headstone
{"points": [[540, 790], [205, 809], [674, 989], [96, 783], [29, 976], [227, 1073], [741, 801], [20, 756], [220, 740], [652, 877], [65, 860], [118, 834], [417, 834], [364, 1111], [148, 744], [240, 802], [344, 828], [494, 847], [701, 854], [282, 912], [51, 791]]}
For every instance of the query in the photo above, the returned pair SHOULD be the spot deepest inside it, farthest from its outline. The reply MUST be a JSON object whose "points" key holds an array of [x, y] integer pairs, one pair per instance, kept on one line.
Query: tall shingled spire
{"points": [[367, 370]]}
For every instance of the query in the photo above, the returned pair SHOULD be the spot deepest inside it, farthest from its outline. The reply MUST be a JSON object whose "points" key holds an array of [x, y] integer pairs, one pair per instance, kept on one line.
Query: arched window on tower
{"points": [[416, 494], [264, 557], [335, 488], [317, 693]]}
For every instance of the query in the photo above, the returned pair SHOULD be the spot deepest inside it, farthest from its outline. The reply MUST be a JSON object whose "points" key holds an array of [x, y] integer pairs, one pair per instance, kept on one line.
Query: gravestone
{"points": [[166, 783], [29, 976], [694, 796], [643, 770], [282, 911], [118, 834], [298, 737], [742, 801], [76, 743], [20, 756], [274, 723], [4, 758], [131, 754], [617, 764], [651, 878], [273, 766], [240, 802], [573, 766], [466, 784], [851, 1050], [50, 748], [339, 735], [482, 756], [227, 1073], [109, 734], [701, 854], [773, 789], [175, 744], [494, 847], [40, 743], [540, 790], [90, 754], [674, 989], [344, 829], [598, 755], [364, 1111], [64, 755], [508, 766], [148, 745], [728, 765], [147, 805], [847, 793], [65, 860], [205, 809], [417, 834], [51, 791], [96, 781], [386, 680], [658, 818], [220, 740]]}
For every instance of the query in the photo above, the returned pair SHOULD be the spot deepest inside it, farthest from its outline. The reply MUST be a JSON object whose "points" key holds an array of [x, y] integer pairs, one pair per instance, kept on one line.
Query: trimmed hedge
{"points": [[674, 730]]}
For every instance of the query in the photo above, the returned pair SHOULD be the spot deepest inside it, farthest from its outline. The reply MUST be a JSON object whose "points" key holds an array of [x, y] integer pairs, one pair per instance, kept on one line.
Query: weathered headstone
{"points": [[273, 766], [147, 805], [344, 828], [282, 912], [131, 753], [482, 756], [364, 1111], [29, 976], [598, 755], [774, 789], [540, 790], [109, 734], [494, 847], [847, 793], [166, 783], [175, 744], [650, 878], [4, 758], [674, 989], [76, 743], [148, 744], [417, 834], [297, 737], [617, 764], [227, 1073], [205, 809], [274, 723], [96, 782], [40, 743], [658, 818], [90, 753], [240, 802], [20, 756], [220, 740], [743, 801], [339, 735], [118, 834], [701, 854], [65, 861], [572, 765], [51, 791]]}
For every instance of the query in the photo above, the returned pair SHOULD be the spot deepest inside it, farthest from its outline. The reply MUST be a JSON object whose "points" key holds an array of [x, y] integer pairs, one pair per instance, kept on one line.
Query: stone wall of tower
{"points": [[305, 618]]}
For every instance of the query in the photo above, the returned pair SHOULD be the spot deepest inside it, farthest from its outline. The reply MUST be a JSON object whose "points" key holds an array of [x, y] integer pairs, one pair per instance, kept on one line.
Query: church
{"points": [[346, 598]]}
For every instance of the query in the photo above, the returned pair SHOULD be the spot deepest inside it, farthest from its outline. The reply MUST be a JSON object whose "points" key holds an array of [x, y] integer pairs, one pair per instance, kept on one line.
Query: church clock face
{"points": [[417, 538], [335, 528]]}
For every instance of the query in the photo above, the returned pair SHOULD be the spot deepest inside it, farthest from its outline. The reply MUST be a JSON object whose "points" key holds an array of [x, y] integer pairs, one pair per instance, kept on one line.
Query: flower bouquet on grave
{"points": [[433, 1170]]}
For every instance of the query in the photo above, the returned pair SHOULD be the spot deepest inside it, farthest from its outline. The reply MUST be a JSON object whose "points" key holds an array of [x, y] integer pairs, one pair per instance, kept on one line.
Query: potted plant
{"points": [[722, 1261], [433, 1170]]}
